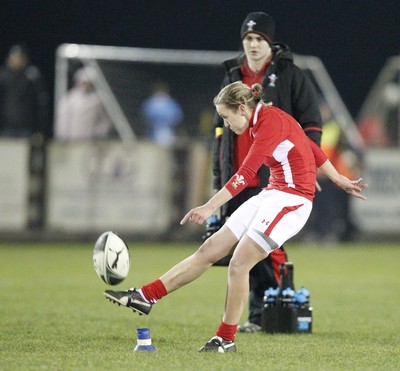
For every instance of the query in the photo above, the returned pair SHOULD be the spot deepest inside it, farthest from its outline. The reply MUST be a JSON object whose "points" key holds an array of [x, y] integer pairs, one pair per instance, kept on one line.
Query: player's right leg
{"points": [[214, 248], [131, 298]]}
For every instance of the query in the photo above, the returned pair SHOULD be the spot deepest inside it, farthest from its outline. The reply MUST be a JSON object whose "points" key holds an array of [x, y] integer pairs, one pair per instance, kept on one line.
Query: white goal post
{"points": [[123, 79], [161, 59]]}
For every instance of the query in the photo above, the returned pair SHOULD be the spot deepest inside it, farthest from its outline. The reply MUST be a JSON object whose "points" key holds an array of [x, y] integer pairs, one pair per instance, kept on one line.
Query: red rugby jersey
{"points": [[280, 143], [243, 142]]}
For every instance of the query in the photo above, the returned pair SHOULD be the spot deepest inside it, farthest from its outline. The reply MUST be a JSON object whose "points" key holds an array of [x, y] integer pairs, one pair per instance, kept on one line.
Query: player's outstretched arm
{"points": [[352, 187]]}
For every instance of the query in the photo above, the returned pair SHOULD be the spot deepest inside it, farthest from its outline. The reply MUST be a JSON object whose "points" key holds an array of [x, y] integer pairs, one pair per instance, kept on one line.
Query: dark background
{"points": [[353, 38]]}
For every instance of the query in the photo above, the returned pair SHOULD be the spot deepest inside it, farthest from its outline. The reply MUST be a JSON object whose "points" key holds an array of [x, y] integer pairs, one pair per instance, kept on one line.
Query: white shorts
{"points": [[270, 218]]}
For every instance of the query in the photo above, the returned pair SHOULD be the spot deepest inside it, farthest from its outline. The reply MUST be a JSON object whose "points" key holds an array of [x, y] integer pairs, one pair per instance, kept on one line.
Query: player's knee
{"points": [[215, 248], [238, 267], [207, 252]]}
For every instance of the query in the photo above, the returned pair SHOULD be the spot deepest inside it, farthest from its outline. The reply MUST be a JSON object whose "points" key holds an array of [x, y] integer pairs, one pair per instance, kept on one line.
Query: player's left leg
{"points": [[279, 217], [263, 275], [246, 255]]}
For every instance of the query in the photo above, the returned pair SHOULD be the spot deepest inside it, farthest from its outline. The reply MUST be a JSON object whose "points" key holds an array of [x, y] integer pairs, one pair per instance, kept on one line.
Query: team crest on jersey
{"points": [[272, 79], [239, 180]]}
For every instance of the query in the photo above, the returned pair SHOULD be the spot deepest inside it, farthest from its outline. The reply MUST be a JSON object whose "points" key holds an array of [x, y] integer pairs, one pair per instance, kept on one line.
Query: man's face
{"points": [[17, 61], [256, 47]]}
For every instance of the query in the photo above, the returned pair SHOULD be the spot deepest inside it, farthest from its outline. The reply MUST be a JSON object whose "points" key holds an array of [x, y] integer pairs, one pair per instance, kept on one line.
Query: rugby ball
{"points": [[111, 258]]}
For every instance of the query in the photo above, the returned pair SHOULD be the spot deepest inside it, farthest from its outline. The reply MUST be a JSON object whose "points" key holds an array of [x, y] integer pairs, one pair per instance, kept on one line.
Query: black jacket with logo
{"points": [[288, 88]]}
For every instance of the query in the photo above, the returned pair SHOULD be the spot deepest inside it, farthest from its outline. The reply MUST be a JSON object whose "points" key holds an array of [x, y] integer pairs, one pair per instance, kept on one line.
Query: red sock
{"points": [[226, 332], [154, 291]]}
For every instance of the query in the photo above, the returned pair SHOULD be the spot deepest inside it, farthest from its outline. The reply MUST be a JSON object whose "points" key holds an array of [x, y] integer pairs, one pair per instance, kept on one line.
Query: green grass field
{"points": [[54, 316]]}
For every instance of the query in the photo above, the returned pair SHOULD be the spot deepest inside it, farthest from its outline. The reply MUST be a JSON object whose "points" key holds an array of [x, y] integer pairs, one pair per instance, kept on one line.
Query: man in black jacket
{"points": [[287, 87], [24, 100]]}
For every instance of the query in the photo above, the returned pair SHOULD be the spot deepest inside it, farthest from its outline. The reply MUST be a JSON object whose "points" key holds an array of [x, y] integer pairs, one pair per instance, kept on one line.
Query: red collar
{"points": [[251, 77]]}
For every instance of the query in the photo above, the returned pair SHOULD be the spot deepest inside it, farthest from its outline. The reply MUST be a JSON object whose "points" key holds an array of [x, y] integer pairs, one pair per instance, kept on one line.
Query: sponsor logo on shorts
{"points": [[264, 221]]}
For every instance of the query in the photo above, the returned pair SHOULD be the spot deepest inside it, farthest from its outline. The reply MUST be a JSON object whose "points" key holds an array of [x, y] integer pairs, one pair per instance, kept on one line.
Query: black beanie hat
{"points": [[19, 49], [259, 23]]}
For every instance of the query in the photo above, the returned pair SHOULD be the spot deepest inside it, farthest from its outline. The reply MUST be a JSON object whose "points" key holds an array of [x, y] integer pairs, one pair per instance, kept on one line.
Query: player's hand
{"points": [[198, 215], [352, 187]]}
